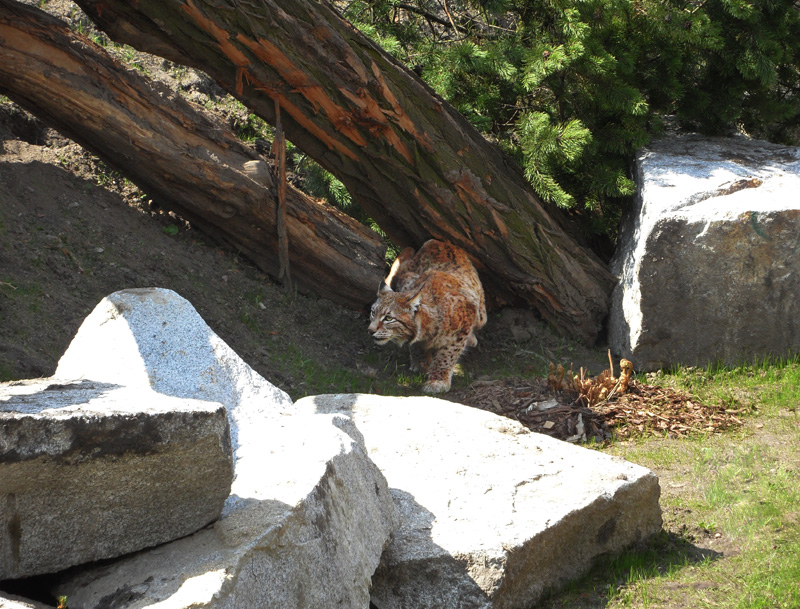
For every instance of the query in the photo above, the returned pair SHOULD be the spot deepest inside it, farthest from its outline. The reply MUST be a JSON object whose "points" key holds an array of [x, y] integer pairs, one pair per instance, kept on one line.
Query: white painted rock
{"points": [[90, 471], [709, 257], [309, 513], [492, 515]]}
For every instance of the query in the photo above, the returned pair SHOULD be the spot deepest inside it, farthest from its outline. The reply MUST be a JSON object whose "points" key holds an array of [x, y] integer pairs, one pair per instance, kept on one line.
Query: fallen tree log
{"points": [[180, 156], [406, 156]]}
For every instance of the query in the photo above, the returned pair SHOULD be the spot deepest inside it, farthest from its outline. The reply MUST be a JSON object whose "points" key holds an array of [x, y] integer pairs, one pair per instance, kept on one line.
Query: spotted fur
{"points": [[433, 301]]}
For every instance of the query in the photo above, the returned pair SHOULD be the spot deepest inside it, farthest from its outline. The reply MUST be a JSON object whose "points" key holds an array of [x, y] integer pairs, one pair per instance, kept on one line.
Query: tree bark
{"points": [[180, 156], [406, 156]]}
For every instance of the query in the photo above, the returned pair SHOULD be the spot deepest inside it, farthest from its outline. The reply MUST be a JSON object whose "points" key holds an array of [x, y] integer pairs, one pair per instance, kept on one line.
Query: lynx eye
{"points": [[388, 319]]}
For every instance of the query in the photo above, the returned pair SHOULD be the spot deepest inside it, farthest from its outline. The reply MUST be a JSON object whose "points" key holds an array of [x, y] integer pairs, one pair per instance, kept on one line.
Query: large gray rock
{"points": [[91, 471], [709, 258], [311, 537], [492, 515], [152, 337], [309, 513]]}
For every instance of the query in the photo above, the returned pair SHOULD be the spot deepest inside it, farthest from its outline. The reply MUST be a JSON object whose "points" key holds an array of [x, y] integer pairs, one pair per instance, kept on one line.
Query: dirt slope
{"points": [[66, 242]]}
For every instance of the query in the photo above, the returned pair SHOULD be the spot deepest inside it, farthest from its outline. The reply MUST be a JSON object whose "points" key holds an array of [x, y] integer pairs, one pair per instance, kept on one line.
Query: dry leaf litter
{"points": [[578, 408]]}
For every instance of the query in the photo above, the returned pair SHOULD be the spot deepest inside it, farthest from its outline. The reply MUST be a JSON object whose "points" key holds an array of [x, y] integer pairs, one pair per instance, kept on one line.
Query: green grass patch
{"points": [[7, 373], [320, 379], [21, 294], [731, 505]]}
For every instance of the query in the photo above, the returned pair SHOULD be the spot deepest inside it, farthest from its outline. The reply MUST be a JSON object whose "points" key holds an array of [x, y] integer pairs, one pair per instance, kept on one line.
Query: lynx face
{"points": [[438, 306], [392, 317]]}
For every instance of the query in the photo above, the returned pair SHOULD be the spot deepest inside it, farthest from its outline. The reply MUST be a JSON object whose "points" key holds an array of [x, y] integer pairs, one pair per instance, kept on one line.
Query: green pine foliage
{"points": [[322, 184], [571, 88], [749, 76]]}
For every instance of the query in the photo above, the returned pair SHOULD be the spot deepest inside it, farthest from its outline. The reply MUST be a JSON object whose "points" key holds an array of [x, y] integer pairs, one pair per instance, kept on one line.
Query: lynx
{"points": [[433, 301]]}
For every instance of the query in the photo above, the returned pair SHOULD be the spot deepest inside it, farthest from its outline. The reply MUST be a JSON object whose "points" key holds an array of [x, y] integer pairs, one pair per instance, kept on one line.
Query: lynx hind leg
{"points": [[420, 358], [440, 373], [472, 340]]}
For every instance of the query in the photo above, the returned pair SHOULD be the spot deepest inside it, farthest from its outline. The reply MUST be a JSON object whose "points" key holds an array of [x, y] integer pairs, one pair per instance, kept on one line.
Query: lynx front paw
{"points": [[436, 387]]}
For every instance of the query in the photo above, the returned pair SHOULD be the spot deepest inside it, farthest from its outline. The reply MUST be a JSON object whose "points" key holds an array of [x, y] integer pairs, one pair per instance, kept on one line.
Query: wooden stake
{"points": [[280, 167]]}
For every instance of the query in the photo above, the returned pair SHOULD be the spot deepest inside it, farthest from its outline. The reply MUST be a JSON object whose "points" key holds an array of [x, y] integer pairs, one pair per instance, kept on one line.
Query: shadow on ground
{"points": [[664, 553]]}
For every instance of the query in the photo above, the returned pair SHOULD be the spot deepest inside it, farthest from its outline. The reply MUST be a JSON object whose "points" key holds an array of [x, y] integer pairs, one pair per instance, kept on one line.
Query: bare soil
{"points": [[71, 232]]}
